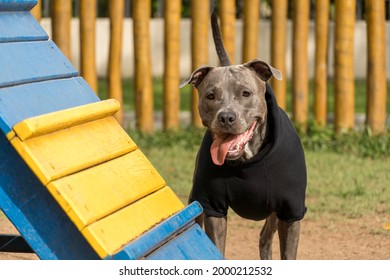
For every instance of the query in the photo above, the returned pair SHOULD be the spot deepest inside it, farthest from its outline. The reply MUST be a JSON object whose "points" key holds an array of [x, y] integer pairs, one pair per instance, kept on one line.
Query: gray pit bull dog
{"points": [[251, 159]]}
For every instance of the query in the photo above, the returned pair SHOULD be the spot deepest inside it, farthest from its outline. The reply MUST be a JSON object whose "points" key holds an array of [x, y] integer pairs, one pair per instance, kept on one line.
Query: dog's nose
{"points": [[227, 118]]}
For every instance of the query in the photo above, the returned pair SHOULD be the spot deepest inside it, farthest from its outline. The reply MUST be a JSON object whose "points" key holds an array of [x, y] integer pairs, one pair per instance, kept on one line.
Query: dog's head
{"points": [[232, 104]]}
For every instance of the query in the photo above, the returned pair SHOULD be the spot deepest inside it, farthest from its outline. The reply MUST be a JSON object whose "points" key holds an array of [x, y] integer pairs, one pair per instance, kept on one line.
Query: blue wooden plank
{"points": [[20, 26], [34, 212], [155, 237], [192, 244], [18, 103], [24, 62], [17, 5]]}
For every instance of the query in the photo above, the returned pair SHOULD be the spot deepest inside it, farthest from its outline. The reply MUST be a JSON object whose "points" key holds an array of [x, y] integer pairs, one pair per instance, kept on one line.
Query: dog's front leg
{"points": [[289, 238], [266, 237], [216, 228]]}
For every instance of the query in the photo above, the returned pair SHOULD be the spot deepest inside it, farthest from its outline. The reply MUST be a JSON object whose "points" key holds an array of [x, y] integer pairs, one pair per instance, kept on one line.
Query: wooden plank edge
{"points": [[17, 5], [30, 160], [41, 98], [70, 74], [159, 235], [97, 236], [32, 30], [58, 67], [4, 127], [82, 222], [192, 244], [46, 178], [10, 135], [51, 122]]}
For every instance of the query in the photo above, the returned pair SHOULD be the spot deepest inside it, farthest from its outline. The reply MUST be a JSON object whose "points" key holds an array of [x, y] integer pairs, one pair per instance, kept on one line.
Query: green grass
{"points": [[361, 143], [185, 95], [342, 179], [346, 184]]}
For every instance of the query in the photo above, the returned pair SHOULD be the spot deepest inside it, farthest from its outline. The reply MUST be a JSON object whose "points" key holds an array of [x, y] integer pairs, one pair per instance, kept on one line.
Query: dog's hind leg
{"points": [[266, 236], [289, 238], [216, 228]]}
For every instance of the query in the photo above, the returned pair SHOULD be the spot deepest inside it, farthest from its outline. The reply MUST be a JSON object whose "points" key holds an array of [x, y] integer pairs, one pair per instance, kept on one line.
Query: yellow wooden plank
{"points": [[115, 231], [58, 120], [10, 135], [96, 192], [67, 151]]}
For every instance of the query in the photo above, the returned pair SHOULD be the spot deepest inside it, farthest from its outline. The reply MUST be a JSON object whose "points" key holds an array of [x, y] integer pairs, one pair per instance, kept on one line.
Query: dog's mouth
{"points": [[230, 146]]}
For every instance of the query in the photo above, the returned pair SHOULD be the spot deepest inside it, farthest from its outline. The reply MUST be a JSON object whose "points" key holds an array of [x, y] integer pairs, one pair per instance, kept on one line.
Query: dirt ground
{"points": [[325, 239], [357, 239]]}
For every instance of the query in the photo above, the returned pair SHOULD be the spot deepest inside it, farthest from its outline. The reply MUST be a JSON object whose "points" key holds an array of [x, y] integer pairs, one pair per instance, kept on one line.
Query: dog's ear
{"points": [[264, 70], [196, 77]]}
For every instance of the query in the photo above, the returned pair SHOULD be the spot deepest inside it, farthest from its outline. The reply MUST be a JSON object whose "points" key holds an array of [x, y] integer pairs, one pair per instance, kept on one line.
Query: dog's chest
{"points": [[246, 189]]}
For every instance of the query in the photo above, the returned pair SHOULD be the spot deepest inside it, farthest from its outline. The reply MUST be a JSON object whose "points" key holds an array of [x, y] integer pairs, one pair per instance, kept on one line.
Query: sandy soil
{"points": [[325, 239]]}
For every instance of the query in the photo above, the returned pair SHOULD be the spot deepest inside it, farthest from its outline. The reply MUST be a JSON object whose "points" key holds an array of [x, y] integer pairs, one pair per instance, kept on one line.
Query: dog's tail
{"points": [[218, 42]]}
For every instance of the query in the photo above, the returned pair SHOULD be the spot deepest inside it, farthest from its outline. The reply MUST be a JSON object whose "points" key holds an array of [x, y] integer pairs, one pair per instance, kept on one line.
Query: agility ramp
{"points": [[72, 181]]}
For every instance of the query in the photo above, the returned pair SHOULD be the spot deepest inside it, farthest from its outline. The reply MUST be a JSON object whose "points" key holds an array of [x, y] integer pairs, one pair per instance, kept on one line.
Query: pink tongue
{"points": [[221, 144], [220, 147]]}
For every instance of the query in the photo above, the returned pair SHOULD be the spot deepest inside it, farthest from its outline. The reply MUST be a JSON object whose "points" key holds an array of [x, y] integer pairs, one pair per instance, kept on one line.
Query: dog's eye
{"points": [[210, 96], [246, 93]]}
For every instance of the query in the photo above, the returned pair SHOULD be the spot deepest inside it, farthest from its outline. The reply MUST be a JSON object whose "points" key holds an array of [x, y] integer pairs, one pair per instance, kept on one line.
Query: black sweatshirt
{"points": [[274, 180]]}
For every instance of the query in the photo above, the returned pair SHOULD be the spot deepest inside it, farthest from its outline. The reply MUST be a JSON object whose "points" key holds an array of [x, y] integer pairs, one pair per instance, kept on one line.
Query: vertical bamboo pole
{"points": [[376, 67], [61, 12], [199, 41], [321, 66], [278, 48], [227, 13], [116, 14], [171, 67], [143, 74], [88, 42], [344, 66], [251, 30], [37, 10], [300, 62]]}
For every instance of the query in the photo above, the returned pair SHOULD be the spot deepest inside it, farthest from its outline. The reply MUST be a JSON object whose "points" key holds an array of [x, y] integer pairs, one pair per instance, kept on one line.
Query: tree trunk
{"points": [[251, 30], [116, 14], [199, 41], [88, 42], [171, 67], [278, 49], [344, 66], [227, 14], [300, 62], [376, 67], [61, 12], [143, 76], [321, 66]]}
